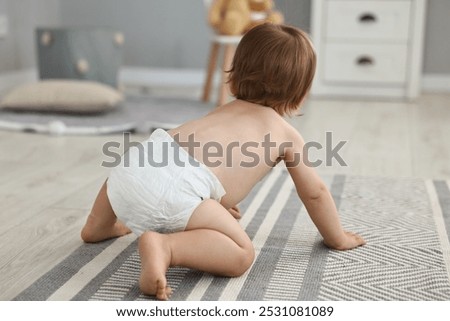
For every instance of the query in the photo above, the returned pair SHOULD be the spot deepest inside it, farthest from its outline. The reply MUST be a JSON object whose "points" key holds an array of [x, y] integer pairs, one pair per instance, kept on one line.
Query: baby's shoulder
{"points": [[277, 124]]}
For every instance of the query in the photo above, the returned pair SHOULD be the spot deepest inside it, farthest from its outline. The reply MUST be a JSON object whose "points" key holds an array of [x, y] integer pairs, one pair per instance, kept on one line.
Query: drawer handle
{"points": [[367, 18], [365, 61]]}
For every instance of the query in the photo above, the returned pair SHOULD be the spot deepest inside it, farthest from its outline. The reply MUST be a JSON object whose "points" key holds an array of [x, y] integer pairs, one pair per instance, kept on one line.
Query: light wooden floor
{"points": [[48, 184]]}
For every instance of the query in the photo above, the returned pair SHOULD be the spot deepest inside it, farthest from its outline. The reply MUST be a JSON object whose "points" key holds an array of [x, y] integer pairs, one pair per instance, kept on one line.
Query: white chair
{"points": [[229, 44]]}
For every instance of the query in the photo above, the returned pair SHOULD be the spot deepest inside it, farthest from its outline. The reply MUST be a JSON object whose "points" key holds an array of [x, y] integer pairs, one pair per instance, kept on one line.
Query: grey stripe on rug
{"points": [[405, 222]]}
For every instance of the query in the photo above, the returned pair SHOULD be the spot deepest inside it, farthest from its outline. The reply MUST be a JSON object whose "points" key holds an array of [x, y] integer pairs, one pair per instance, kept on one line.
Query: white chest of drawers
{"points": [[368, 48]]}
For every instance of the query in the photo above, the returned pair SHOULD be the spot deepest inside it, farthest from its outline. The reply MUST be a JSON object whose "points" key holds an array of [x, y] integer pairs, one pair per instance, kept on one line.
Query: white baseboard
{"points": [[161, 77], [436, 83], [9, 80], [165, 77], [128, 77]]}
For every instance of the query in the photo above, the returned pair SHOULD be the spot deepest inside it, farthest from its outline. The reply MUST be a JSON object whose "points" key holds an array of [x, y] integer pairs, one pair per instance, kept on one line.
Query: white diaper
{"points": [[162, 195]]}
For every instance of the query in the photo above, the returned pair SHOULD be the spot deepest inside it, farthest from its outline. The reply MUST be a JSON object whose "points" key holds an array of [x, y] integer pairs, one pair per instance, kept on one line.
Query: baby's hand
{"points": [[235, 212], [351, 241]]}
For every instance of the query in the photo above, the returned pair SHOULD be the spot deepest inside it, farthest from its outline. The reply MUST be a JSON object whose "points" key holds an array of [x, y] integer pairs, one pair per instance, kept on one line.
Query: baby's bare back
{"points": [[240, 142]]}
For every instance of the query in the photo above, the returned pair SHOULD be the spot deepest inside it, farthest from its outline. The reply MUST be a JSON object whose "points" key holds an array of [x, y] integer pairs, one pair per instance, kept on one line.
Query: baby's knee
{"points": [[243, 261]]}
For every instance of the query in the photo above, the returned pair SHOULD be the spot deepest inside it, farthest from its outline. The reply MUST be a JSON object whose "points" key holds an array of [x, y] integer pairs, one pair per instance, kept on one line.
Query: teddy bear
{"points": [[263, 11], [235, 17]]}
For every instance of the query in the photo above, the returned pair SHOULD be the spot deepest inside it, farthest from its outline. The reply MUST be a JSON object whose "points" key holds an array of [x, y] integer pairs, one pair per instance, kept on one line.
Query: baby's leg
{"points": [[213, 242], [102, 223]]}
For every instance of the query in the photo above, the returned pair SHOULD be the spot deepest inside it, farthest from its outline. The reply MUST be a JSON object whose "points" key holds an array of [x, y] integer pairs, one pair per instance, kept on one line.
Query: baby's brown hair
{"points": [[274, 66]]}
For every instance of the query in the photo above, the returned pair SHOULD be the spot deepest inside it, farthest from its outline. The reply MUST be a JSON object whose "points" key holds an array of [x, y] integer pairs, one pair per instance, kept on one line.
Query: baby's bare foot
{"points": [[155, 260], [95, 231], [120, 229]]}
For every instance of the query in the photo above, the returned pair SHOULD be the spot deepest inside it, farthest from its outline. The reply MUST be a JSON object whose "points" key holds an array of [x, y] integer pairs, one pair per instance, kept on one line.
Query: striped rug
{"points": [[405, 222]]}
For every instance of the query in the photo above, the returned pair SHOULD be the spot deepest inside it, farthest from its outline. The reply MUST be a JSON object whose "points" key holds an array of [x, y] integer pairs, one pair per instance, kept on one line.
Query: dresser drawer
{"points": [[362, 63], [384, 20]]}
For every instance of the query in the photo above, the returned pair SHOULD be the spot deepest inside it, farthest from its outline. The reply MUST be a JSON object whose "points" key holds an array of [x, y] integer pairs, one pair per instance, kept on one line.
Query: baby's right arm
{"points": [[317, 199]]}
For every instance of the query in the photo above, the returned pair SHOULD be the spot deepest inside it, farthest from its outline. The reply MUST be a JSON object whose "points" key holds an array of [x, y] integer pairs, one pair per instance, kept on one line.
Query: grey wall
{"points": [[296, 12], [162, 33], [158, 33], [17, 50], [437, 38], [7, 61], [171, 33]]}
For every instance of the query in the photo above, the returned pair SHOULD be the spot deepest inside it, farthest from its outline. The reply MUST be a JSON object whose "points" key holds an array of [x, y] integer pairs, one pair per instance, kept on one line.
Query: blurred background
{"points": [[169, 34]]}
